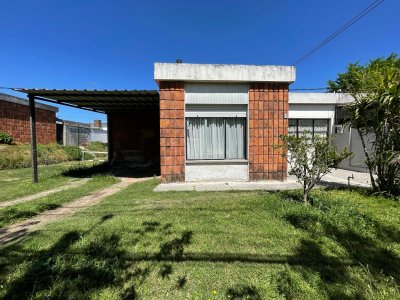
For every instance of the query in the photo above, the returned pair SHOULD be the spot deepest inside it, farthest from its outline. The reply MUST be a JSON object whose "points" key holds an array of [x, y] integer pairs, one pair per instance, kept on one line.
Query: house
{"points": [[322, 113], [207, 122], [71, 133], [14, 119], [98, 131], [222, 122]]}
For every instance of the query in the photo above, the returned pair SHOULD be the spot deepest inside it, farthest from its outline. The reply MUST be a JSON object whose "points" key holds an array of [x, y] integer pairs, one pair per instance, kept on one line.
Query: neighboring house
{"points": [[321, 113], [98, 131], [14, 119], [70, 133]]}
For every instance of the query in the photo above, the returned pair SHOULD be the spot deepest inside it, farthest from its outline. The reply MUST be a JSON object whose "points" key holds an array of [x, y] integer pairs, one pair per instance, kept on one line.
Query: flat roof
{"points": [[319, 98], [102, 101], [224, 73], [21, 101]]}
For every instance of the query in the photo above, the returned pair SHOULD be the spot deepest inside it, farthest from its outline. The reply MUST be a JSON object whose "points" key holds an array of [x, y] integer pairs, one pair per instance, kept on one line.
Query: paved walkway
{"points": [[67, 186], [16, 231], [337, 177]]}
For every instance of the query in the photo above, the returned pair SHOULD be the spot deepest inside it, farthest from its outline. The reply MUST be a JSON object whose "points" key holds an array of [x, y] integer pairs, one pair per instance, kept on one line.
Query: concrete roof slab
{"points": [[223, 73]]}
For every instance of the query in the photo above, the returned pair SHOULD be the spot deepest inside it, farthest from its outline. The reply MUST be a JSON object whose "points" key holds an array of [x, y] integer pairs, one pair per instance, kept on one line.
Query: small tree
{"points": [[310, 159]]}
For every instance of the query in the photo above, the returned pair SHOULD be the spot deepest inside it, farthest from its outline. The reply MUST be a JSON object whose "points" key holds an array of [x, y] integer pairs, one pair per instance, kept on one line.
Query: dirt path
{"points": [[16, 231], [69, 185]]}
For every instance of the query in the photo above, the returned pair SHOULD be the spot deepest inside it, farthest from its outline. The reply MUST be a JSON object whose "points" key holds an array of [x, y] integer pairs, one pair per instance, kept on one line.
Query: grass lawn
{"points": [[225, 245], [22, 211], [16, 183]]}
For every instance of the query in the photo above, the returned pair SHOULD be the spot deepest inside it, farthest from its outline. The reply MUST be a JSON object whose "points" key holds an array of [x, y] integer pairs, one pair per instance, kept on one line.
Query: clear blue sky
{"points": [[75, 44]]}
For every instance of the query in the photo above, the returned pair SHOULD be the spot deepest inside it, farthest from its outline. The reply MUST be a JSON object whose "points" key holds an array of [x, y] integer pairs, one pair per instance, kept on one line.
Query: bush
{"points": [[97, 146], [5, 138], [73, 152], [19, 156]]}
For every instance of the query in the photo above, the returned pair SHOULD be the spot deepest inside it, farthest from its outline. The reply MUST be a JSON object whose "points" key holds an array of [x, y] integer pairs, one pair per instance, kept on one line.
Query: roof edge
{"points": [[21, 101], [223, 72]]}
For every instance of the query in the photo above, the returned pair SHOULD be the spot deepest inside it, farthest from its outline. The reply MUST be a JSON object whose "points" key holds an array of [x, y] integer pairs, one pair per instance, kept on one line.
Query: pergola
{"points": [[101, 101]]}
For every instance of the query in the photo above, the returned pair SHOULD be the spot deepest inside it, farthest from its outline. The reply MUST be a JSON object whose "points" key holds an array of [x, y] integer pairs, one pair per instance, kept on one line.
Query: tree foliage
{"points": [[375, 113], [311, 158]]}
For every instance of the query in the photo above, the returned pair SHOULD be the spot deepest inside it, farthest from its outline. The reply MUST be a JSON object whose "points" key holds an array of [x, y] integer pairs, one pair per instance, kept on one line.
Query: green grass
{"points": [[18, 182], [197, 245], [15, 213]]}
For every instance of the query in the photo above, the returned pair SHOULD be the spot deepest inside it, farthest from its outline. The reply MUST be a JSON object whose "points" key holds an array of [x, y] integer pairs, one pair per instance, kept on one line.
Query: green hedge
{"points": [[19, 156]]}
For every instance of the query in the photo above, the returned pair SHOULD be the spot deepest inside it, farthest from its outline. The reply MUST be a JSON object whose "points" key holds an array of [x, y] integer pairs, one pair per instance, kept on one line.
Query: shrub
{"points": [[19, 156], [5, 138], [97, 146], [73, 152]]}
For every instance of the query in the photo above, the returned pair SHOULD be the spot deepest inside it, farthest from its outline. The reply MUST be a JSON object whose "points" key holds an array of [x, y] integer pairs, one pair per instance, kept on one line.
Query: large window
{"points": [[215, 138], [312, 127]]}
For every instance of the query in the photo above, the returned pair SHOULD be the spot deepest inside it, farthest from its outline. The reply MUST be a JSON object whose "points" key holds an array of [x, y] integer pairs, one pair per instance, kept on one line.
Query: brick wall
{"points": [[268, 105], [172, 131], [14, 119]]}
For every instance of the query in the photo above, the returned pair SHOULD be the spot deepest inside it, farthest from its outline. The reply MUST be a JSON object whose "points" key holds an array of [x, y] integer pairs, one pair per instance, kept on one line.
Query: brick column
{"points": [[268, 106], [172, 131]]}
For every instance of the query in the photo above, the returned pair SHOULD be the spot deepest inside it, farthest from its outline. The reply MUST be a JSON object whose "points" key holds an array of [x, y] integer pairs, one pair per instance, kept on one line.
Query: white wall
{"points": [[209, 171], [349, 138]]}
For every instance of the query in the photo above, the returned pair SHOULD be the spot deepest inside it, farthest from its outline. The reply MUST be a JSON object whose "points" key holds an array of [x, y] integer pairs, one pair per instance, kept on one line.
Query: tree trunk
{"points": [[305, 195], [368, 160]]}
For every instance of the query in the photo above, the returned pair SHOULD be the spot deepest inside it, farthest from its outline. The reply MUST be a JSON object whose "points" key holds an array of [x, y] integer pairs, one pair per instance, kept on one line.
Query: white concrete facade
{"points": [[223, 73]]}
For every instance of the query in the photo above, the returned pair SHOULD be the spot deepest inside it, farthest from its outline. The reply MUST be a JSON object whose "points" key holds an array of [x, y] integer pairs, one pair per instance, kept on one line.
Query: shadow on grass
{"points": [[247, 292], [86, 171], [361, 250], [62, 271]]}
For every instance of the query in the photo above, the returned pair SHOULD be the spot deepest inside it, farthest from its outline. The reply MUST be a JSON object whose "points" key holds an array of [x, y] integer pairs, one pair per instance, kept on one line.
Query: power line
{"points": [[340, 30]]}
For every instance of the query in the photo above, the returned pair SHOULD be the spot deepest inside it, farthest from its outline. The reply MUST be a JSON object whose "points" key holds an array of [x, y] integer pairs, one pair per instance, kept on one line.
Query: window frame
{"points": [[219, 159], [313, 125]]}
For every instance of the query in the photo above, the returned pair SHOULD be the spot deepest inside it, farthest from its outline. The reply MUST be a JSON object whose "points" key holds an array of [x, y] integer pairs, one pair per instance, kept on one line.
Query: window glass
{"points": [[215, 138], [305, 127], [235, 138], [292, 127], [321, 128]]}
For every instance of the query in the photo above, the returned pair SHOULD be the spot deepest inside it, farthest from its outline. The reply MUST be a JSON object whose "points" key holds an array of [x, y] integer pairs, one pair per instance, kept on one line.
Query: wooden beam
{"points": [[32, 120]]}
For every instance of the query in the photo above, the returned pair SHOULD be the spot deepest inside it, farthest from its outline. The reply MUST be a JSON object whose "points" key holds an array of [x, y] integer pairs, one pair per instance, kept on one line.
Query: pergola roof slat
{"points": [[97, 100]]}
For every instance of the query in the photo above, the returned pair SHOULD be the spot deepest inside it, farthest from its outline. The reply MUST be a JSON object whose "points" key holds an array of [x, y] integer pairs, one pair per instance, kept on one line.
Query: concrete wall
{"points": [[224, 73], [209, 171], [14, 119], [349, 138]]}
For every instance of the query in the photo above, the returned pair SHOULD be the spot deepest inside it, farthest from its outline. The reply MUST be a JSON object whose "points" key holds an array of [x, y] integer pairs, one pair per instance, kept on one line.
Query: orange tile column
{"points": [[268, 108], [172, 131]]}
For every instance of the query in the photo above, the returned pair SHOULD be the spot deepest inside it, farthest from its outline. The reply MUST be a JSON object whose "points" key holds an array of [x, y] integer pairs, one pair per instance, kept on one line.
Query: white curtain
{"points": [[215, 138], [235, 135], [205, 138]]}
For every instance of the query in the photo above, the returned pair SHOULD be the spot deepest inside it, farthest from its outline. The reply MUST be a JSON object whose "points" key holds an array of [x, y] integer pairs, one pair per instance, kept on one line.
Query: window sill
{"points": [[217, 162]]}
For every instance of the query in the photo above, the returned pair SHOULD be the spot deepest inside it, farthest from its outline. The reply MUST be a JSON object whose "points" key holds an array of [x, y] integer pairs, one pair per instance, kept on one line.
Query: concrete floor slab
{"points": [[337, 177]]}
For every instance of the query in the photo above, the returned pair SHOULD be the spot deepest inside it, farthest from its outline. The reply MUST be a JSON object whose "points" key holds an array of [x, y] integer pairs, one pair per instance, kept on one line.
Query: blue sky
{"points": [[100, 44]]}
